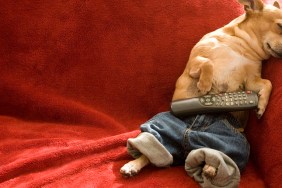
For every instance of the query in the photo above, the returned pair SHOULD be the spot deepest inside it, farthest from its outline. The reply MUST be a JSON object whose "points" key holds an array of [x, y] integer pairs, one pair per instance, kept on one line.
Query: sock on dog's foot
{"points": [[209, 171]]}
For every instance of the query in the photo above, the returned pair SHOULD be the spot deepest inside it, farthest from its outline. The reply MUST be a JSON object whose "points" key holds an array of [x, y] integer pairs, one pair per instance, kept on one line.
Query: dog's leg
{"points": [[196, 79], [263, 87], [202, 68], [133, 167]]}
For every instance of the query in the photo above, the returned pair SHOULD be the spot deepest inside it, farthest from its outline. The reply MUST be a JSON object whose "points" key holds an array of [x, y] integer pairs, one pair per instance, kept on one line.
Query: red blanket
{"points": [[78, 77]]}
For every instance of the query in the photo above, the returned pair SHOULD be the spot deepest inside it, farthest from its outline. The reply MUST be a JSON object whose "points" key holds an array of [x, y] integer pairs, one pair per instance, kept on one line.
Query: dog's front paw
{"points": [[129, 169], [204, 86], [260, 112], [261, 106]]}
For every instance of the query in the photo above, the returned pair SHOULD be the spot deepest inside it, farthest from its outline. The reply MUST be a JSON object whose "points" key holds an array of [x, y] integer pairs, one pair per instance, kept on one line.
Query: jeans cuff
{"points": [[148, 145], [228, 174]]}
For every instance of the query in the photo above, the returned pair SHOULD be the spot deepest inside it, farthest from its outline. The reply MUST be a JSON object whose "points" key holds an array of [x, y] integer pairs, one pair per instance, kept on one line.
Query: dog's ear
{"points": [[252, 5], [276, 4]]}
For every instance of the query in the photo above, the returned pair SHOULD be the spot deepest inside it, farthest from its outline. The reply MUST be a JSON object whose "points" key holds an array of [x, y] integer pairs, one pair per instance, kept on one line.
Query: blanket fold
{"points": [[62, 152]]}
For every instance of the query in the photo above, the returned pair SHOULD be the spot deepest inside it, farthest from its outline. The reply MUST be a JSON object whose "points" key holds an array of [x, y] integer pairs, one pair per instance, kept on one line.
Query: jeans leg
{"points": [[169, 131], [221, 136]]}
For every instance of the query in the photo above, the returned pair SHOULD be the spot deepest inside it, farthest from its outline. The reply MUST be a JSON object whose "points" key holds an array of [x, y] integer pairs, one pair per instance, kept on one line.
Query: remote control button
{"points": [[208, 103], [202, 100]]}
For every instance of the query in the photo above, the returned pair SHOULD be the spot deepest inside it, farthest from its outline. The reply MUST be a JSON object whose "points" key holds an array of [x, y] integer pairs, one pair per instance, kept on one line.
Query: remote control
{"points": [[214, 103]]}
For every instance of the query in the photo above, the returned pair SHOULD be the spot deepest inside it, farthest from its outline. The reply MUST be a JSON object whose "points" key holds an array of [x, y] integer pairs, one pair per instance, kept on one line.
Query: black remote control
{"points": [[215, 103]]}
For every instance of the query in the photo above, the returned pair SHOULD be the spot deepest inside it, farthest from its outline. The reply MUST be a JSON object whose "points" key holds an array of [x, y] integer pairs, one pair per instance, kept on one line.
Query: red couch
{"points": [[79, 77]]}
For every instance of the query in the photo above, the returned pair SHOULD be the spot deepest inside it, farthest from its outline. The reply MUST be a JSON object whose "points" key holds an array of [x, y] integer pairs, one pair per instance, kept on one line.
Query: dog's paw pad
{"points": [[129, 170], [209, 171]]}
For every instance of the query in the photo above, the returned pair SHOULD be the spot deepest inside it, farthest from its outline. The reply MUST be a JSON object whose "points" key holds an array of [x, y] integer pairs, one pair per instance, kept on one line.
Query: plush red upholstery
{"points": [[77, 78]]}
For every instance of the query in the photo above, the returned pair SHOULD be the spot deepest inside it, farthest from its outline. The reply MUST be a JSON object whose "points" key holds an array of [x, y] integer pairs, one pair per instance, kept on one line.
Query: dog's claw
{"points": [[259, 113], [259, 116]]}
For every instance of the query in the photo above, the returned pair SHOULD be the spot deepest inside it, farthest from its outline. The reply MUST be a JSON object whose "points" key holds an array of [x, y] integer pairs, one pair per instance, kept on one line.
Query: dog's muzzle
{"points": [[274, 52]]}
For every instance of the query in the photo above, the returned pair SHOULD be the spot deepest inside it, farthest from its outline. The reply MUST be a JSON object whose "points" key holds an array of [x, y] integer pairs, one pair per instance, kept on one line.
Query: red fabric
{"points": [[78, 77]]}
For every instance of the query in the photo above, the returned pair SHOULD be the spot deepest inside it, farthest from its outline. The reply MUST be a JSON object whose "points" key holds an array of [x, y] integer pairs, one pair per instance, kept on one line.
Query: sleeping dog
{"points": [[226, 60]]}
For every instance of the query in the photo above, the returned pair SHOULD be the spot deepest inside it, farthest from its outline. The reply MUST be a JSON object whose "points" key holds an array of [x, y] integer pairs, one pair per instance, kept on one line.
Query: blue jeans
{"points": [[217, 131]]}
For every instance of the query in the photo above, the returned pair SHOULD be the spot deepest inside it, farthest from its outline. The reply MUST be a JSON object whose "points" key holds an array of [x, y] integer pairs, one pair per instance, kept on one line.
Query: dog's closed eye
{"points": [[279, 25]]}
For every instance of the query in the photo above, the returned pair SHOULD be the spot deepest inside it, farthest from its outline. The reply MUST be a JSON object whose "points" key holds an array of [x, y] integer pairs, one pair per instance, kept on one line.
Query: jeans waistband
{"points": [[200, 120]]}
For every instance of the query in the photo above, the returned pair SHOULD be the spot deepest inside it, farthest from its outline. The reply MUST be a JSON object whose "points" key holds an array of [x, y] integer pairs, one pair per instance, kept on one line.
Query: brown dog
{"points": [[229, 59]]}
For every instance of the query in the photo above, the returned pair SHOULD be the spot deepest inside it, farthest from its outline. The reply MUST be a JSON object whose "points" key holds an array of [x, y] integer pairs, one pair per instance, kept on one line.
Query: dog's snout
{"points": [[275, 50]]}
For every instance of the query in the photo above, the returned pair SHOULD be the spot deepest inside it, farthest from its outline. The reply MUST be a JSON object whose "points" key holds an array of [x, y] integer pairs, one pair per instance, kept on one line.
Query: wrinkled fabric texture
{"points": [[180, 136], [146, 144], [228, 174], [77, 78]]}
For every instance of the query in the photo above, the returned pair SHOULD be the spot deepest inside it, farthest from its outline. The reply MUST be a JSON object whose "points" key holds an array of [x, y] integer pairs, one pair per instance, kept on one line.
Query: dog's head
{"points": [[266, 22]]}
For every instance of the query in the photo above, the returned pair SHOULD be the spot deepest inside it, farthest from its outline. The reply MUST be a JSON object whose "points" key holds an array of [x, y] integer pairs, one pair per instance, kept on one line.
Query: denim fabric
{"points": [[217, 131]]}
